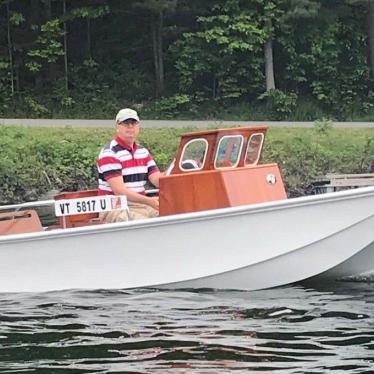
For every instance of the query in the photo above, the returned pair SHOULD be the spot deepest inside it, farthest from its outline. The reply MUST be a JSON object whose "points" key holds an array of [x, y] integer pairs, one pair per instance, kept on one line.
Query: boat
{"points": [[225, 223]]}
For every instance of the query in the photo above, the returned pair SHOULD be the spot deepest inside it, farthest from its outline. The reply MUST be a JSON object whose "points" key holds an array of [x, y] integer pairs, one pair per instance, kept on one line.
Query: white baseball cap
{"points": [[125, 114]]}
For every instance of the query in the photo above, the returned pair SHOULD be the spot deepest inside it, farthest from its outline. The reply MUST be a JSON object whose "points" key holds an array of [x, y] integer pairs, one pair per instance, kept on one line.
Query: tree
{"points": [[368, 5], [269, 15], [370, 20], [223, 56], [65, 46], [290, 28], [13, 20], [10, 46], [337, 45], [155, 10], [88, 14], [48, 47]]}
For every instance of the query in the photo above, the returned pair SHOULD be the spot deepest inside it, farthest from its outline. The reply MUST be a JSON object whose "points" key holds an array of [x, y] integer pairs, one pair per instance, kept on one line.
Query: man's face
{"points": [[128, 130]]}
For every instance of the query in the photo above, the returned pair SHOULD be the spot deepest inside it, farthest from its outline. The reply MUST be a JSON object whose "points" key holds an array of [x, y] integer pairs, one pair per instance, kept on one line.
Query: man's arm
{"points": [[119, 188], [154, 178]]}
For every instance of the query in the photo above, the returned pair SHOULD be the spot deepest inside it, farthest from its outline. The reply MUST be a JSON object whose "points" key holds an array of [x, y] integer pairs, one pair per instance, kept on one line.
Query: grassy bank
{"points": [[36, 160]]}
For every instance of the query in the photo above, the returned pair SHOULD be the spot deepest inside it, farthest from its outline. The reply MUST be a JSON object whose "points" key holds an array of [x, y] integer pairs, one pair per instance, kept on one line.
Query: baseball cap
{"points": [[125, 114]]}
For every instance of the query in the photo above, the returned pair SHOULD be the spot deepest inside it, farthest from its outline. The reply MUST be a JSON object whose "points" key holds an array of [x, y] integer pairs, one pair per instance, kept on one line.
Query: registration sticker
{"points": [[95, 204]]}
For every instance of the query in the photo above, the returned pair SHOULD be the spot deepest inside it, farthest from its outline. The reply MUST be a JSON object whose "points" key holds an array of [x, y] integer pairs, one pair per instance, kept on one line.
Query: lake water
{"points": [[324, 328]]}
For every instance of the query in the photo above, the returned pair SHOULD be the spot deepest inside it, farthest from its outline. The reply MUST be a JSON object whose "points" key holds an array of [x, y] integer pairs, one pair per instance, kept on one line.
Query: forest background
{"points": [[188, 59]]}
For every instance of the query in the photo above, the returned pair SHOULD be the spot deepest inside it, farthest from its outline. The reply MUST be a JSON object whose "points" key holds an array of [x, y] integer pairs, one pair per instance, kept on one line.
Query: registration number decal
{"points": [[94, 204]]}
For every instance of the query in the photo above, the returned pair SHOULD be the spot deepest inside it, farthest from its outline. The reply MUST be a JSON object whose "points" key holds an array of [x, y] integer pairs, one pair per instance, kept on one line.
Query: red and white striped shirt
{"points": [[135, 164]]}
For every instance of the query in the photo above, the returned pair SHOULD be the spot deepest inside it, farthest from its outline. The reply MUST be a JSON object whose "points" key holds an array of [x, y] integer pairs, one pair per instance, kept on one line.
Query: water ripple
{"points": [[287, 330]]}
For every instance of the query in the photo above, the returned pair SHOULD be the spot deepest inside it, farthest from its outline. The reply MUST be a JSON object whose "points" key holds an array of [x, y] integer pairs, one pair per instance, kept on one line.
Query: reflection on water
{"points": [[309, 328]]}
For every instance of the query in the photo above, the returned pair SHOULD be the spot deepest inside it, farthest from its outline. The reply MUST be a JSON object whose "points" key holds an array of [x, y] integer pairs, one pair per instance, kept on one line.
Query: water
{"points": [[298, 329]]}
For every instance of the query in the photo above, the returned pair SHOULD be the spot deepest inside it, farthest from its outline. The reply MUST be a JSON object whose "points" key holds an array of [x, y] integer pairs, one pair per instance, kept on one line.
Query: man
{"points": [[124, 168]]}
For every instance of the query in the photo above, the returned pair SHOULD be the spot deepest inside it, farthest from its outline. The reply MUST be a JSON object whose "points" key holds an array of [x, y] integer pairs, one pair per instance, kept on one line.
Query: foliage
{"points": [[320, 57], [16, 19], [168, 107], [280, 104], [343, 86], [85, 12], [305, 155], [49, 46], [4, 85], [323, 126], [221, 60], [35, 108], [213, 59]]}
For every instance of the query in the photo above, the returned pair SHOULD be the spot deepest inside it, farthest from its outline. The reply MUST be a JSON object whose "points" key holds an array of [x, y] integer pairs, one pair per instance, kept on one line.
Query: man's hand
{"points": [[154, 202], [119, 188]]}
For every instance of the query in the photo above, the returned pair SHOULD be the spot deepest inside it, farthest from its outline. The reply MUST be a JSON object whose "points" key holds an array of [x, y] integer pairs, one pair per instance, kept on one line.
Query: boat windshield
{"points": [[254, 149], [194, 155], [229, 150]]}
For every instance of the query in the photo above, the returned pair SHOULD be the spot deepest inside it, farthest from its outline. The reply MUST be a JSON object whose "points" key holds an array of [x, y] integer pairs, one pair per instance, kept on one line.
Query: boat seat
{"points": [[190, 164], [19, 222]]}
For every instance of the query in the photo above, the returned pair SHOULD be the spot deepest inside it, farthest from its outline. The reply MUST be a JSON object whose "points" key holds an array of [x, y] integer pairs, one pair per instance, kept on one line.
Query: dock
{"points": [[339, 182]]}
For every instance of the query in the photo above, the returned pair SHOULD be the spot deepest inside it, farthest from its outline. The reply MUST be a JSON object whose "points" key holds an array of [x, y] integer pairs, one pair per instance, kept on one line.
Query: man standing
{"points": [[124, 167]]}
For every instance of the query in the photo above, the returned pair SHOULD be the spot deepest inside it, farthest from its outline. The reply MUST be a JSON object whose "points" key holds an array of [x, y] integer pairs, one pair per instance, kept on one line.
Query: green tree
{"points": [[326, 57], [368, 6], [155, 11], [339, 47], [270, 16], [222, 59], [48, 46], [370, 21]]}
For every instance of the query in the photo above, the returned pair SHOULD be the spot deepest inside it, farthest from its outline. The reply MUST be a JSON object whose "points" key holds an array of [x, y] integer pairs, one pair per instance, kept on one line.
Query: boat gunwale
{"points": [[194, 216]]}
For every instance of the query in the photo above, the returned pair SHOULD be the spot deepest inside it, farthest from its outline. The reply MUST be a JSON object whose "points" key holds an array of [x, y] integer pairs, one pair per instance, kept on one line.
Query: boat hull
{"points": [[248, 247]]}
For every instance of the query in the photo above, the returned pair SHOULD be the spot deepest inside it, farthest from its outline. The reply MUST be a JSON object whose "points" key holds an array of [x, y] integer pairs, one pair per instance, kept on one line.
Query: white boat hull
{"points": [[248, 247]]}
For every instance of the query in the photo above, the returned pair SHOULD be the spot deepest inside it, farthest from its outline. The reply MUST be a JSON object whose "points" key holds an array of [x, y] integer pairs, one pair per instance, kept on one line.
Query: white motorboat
{"points": [[234, 230]]}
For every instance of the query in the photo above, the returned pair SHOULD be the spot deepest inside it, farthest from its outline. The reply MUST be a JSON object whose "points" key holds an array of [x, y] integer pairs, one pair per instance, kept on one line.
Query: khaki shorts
{"points": [[135, 211]]}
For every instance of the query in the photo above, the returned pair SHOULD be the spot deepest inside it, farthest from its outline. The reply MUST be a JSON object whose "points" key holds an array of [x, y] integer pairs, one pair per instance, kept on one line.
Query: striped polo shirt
{"points": [[135, 164]]}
